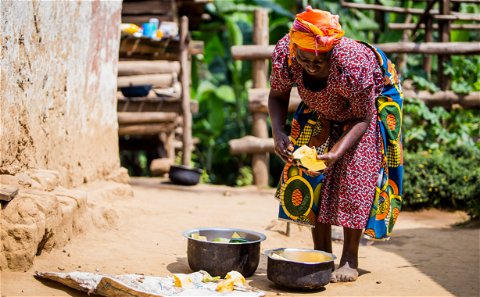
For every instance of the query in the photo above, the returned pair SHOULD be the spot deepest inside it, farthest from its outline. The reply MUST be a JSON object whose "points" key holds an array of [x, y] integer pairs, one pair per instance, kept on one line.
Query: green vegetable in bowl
{"points": [[238, 240], [221, 239]]}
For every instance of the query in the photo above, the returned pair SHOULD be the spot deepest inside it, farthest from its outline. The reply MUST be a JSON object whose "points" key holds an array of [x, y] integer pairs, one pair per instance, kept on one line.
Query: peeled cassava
{"points": [[307, 157]]}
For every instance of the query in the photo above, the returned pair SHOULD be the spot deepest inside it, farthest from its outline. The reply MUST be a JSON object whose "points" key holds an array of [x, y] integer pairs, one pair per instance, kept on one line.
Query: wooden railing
{"points": [[260, 145]]}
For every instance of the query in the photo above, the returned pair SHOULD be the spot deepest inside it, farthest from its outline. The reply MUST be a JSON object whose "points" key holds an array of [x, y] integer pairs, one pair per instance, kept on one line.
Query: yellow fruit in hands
{"points": [[307, 157], [182, 280]]}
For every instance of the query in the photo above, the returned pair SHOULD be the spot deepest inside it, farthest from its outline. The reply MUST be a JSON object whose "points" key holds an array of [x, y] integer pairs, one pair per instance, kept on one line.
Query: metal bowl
{"points": [[218, 258], [184, 175], [299, 268]]}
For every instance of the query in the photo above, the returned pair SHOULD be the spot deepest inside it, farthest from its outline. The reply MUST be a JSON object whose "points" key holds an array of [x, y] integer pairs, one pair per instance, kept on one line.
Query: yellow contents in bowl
{"points": [[198, 237]]}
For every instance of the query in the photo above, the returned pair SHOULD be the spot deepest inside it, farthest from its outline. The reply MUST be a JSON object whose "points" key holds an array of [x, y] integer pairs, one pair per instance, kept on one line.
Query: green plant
{"points": [[464, 73], [246, 176], [436, 128], [444, 179]]}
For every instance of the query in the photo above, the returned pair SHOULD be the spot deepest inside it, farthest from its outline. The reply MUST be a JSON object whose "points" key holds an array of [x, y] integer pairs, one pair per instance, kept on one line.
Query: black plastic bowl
{"points": [[184, 175], [219, 258], [136, 91]]}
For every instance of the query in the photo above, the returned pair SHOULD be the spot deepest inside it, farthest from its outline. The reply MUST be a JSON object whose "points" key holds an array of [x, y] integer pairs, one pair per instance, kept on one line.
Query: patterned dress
{"points": [[355, 81]]}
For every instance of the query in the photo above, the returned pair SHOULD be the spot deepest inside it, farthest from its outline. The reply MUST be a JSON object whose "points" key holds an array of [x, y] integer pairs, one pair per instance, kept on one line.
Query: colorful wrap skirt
{"points": [[299, 193]]}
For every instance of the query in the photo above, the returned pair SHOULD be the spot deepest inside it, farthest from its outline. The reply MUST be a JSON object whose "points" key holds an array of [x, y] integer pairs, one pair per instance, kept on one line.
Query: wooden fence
{"points": [[260, 145]]}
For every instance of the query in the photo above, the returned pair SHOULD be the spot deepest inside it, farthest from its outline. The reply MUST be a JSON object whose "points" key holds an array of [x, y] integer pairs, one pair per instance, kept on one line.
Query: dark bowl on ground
{"points": [[136, 91], [184, 175], [219, 258], [301, 269]]}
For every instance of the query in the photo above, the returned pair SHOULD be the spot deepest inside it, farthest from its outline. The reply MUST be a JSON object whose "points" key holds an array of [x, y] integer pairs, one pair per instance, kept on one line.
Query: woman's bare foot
{"points": [[344, 274]]}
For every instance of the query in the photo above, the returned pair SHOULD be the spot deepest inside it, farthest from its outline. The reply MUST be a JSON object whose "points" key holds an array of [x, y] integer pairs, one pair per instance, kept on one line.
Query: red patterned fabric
{"points": [[354, 82]]}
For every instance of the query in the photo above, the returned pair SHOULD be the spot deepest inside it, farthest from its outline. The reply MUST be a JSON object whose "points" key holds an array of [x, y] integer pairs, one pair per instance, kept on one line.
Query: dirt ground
{"points": [[425, 257]]}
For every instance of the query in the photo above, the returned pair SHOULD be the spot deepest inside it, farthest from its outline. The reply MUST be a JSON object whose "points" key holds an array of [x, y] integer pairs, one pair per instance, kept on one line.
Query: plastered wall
{"points": [[57, 88]]}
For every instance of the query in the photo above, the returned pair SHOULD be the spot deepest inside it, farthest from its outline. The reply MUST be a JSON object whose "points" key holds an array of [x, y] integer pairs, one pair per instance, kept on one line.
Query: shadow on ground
{"points": [[180, 266], [69, 291], [449, 256]]}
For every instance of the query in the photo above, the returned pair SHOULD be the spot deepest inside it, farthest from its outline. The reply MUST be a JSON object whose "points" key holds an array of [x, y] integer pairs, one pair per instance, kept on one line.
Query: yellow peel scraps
{"points": [[232, 279], [237, 277], [182, 280], [225, 285]]}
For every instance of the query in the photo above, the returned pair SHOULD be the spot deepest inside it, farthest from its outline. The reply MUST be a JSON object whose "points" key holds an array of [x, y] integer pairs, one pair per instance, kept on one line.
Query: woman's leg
{"points": [[322, 237], [347, 271]]}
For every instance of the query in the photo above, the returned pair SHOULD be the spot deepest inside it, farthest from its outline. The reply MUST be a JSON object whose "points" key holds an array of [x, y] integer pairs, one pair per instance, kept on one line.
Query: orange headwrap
{"points": [[315, 31]]}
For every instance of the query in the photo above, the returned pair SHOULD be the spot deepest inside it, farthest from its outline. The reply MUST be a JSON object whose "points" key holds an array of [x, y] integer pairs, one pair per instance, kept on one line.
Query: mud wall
{"points": [[57, 88]]}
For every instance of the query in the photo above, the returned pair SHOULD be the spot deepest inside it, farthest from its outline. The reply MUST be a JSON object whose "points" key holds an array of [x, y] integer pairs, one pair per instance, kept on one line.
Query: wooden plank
{"points": [[402, 26], [145, 129], [252, 52], [251, 145], [152, 96], [126, 118], [154, 105], [157, 80], [434, 12], [457, 16], [454, 1], [127, 68], [384, 8], [195, 47], [144, 18], [258, 100], [452, 48], [446, 98], [147, 7]]}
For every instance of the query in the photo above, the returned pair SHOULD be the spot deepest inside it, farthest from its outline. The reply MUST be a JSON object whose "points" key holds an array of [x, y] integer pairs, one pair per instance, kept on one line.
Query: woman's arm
{"points": [[278, 109], [355, 131]]}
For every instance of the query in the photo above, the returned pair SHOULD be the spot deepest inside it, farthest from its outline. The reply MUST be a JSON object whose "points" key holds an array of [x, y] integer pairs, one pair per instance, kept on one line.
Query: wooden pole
{"points": [[260, 161], [185, 78], [427, 59], [444, 34], [402, 58], [380, 19]]}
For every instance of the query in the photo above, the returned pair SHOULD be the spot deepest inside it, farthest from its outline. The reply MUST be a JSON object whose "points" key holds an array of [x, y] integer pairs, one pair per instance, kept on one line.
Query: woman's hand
{"points": [[329, 158], [313, 173], [283, 147]]}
